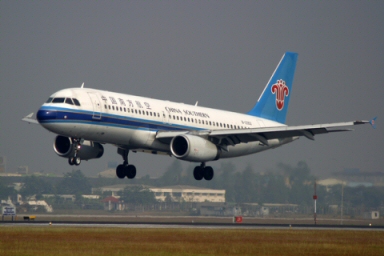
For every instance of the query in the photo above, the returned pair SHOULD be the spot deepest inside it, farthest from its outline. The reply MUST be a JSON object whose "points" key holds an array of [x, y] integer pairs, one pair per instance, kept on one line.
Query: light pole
{"points": [[315, 198]]}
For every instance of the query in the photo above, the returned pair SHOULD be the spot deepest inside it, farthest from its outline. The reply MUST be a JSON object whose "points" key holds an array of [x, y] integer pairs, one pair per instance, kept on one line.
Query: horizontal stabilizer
{"points": [[30, 119]]}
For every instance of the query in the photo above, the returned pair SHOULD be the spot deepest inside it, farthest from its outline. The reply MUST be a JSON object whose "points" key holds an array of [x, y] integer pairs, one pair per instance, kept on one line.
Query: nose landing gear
{"points": [[75, 160]]}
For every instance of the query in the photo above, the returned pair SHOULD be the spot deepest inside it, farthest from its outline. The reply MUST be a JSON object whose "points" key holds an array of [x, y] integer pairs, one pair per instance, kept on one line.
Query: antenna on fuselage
{"points": [[197, 102], [82, 86]]}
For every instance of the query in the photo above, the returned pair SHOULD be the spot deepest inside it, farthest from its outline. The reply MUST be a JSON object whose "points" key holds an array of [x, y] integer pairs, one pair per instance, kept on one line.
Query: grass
{"points": [[51, 240]]}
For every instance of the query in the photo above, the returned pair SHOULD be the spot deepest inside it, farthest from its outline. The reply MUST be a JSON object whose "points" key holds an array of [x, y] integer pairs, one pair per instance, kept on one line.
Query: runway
{"points": [[175, 225]]}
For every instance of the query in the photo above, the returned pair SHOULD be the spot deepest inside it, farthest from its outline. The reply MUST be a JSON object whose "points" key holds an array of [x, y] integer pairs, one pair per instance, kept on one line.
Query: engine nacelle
{"points": [[193, 148], [64, 147]]}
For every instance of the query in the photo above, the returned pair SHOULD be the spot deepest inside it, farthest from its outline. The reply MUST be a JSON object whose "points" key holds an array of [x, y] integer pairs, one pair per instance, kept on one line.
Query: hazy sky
{"points": [[220, 53]]}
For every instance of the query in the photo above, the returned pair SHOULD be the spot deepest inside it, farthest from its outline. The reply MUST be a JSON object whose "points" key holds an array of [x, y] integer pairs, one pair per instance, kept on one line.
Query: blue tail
{"points": [[273, 102]]}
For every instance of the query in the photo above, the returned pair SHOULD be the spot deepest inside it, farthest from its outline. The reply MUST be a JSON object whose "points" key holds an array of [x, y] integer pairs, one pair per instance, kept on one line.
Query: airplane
{"points": [[84, 119]]}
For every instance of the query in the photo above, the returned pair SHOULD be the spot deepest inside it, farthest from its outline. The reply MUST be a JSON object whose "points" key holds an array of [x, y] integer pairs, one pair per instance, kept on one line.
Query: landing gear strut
{"points": [[125, 169], [203, 171], [75, 160]]}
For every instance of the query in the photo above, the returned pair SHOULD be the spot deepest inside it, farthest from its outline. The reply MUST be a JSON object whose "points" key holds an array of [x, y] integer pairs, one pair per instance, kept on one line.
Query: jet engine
{"points": [[64, 147], [193, 148]]}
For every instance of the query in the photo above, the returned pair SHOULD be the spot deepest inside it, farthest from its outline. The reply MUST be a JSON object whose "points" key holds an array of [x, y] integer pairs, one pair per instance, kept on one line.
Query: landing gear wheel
{"points": [[130, 171], [198, 173], [71, 161], [208, 173], [120, 171], [77, 160], [125, 169]]}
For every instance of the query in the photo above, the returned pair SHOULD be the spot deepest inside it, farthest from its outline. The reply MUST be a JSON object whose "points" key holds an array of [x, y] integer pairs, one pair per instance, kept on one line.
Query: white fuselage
{"points": [[132, 122]]}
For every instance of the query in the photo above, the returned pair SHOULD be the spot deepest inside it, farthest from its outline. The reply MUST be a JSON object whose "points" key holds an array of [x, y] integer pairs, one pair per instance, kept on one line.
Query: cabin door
{"points": [[96, 105]]}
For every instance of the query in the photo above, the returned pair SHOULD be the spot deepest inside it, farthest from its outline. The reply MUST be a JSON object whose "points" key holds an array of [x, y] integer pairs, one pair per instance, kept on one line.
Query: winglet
{"points": [[373, 122]]}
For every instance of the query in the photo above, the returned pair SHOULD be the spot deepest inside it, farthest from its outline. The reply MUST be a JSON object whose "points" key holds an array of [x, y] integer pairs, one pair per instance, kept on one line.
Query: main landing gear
{"points": [[75, 160], [203, 171], [125, 169]]}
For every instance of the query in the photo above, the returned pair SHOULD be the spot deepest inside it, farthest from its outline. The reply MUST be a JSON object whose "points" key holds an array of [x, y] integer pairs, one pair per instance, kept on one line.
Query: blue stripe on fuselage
{"points": [[69, 115]]}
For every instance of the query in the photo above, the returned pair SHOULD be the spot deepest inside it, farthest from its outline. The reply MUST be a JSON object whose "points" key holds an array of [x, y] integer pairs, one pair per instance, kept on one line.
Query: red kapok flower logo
{"points": [[281, 91]]}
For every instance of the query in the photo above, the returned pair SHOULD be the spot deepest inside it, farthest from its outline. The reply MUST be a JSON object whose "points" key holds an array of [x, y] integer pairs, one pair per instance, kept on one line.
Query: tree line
{"points": [[285, 184]]}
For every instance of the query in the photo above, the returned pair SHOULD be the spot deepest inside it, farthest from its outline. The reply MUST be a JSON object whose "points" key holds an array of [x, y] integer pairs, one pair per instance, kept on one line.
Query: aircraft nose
{"points": [[44, 115]]}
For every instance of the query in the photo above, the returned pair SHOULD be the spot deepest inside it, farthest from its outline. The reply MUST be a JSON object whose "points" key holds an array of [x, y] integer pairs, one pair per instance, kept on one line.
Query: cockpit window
{"points": [[77, 103], [49, 100], [68, 101], [58, 100]]}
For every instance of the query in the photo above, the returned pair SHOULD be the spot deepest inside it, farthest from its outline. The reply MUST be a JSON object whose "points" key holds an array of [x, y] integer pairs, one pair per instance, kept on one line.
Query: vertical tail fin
{"points": [[273, 102]]}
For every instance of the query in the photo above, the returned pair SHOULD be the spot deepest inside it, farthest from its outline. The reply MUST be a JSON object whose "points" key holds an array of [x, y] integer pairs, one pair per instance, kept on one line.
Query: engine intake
{"points": [[193, 148], [63, 146]]}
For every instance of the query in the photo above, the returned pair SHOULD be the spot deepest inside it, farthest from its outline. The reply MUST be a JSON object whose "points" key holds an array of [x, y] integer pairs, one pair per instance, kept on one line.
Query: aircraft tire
{"points": [[208, 173], [198, 173], [130, 171], [120, 171], [77, 160], [71, 161]]}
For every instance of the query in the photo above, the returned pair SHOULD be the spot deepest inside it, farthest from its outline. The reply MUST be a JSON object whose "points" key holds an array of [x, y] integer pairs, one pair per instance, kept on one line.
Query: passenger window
{"points": [[136, 111], [105, 106], [77, 103], [49, 100], [68, 101], [113, 107], [58, 100], [109, 106], [147, 113], [140, 112], [125, 110], [121, 109]]}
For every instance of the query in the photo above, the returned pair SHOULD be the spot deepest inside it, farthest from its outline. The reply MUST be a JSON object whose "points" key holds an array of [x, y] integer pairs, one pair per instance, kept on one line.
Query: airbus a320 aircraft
{"points": [[85, 118]]}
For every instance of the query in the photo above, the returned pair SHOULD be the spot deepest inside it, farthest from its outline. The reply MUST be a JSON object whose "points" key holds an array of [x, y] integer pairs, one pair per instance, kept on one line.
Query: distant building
{"points": [[23, 169], [373, 215], [328, 183], [109, 173], [358, 177], [188, 194], [113, 203], [177, 193]]}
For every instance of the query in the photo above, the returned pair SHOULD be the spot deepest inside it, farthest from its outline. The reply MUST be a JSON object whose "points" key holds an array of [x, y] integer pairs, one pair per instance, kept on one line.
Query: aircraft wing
{"points": [[236, 136], [29, 118]]}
